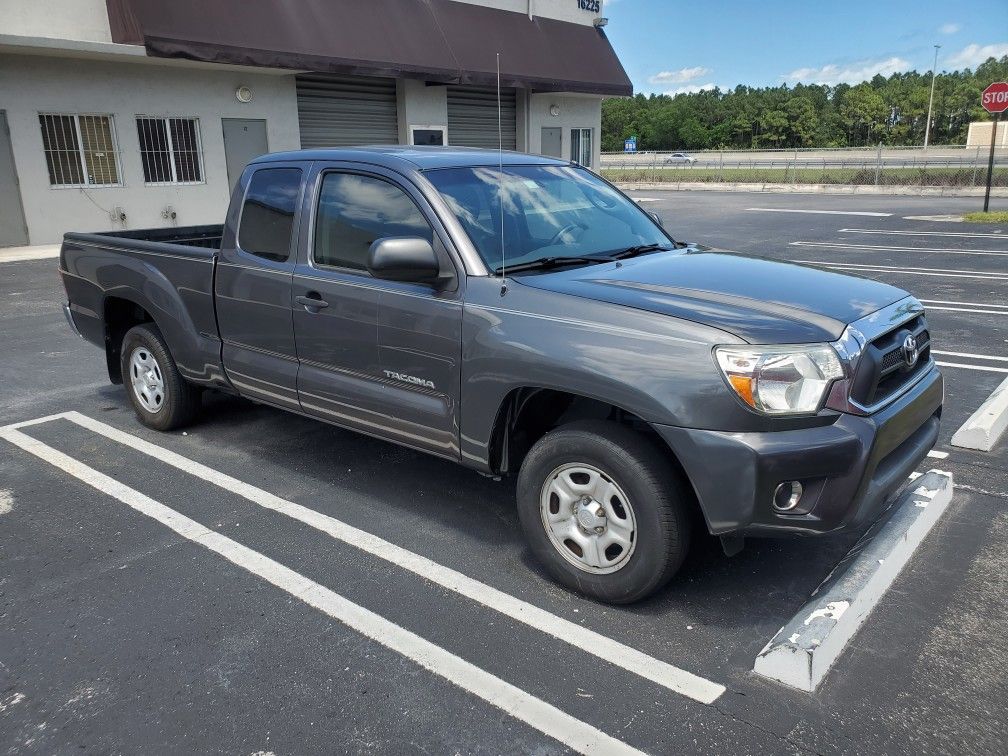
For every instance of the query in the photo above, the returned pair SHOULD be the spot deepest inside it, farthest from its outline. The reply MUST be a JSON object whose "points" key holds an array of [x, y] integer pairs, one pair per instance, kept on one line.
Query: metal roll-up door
{"points": [[340, 111], [472, 117]]}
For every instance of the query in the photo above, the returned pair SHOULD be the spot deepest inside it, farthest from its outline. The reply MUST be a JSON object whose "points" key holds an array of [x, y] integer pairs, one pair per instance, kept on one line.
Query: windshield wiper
{"points": [[641, 249], [552, 262]]}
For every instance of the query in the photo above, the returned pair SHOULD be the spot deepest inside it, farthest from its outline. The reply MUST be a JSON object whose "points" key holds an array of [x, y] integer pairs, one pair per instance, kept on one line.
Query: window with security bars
{"points": [[80, 149], [170, 150]]}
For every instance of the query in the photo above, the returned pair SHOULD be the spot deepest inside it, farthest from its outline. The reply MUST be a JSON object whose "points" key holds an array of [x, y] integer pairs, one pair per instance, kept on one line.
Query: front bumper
{"points": [[848, 469]]}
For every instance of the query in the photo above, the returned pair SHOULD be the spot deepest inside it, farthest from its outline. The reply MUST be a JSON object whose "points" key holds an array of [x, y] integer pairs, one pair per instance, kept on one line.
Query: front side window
{"points": [[354, 211], [548, 211], [267, 218], [80, 150], [170, 150], [581, 147]]}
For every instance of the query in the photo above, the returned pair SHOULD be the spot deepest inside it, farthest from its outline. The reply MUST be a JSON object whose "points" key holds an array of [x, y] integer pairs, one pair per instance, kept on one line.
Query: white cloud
{"points": [[949, 28], [692, 89], [680, 76], [972, 56], [851, 73]]}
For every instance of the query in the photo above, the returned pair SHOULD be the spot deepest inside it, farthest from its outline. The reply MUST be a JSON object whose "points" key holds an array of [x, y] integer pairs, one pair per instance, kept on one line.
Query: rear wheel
{"points": [[161, 397], [603, 511]]}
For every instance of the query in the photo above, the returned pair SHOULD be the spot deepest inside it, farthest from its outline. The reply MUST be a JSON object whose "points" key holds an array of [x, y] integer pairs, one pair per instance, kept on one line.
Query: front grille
{"points": [[882, 370]]}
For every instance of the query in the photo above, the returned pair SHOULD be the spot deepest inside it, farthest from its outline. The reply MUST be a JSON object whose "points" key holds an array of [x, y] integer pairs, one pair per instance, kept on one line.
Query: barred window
{"points": [[80, 150], [170, 150]]}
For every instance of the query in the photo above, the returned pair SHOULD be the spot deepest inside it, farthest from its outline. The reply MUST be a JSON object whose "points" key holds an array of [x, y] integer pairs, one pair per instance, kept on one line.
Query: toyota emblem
{"points": [[910, 350]]}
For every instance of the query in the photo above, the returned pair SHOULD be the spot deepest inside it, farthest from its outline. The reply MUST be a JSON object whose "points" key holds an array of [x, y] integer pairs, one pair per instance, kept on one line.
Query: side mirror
{"points": [[656, 219], [403, 258]]}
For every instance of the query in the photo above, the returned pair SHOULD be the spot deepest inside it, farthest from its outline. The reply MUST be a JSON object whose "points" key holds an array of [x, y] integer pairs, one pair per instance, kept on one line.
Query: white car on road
{"points": [[680, 158]]}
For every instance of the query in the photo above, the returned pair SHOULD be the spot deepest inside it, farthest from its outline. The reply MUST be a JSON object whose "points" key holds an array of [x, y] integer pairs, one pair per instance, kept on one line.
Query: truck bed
{"points": [[206, 237], [163, 274]]}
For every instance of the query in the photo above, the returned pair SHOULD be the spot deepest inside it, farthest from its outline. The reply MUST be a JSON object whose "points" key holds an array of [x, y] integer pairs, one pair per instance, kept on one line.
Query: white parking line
{"points": [[939, 272], [887, 232], [982, 357], [815, 212], [966, 309], [982, 368], [967, 303], [937, 454], [885, 248], [513, 701], [585, 640]]}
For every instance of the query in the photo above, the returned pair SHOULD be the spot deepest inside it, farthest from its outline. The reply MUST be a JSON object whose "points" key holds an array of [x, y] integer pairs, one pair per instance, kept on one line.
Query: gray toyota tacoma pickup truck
{"points": [[528, 320]]}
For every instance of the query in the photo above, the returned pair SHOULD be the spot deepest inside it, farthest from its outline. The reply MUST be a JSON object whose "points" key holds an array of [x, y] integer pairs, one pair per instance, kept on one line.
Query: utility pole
{"points": [[934, 72]]}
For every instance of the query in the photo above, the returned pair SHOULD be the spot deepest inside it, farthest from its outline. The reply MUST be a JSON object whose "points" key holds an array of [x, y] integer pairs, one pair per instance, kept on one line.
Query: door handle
{"points": [[313, 302]]}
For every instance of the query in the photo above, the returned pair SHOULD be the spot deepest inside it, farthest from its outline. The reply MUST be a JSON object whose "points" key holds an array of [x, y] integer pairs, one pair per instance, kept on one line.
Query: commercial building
{"points": [[140, 113]]}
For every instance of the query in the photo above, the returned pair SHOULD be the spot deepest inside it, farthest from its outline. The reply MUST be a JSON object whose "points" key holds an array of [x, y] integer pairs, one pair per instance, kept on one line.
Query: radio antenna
{"points": [[500, 179]]}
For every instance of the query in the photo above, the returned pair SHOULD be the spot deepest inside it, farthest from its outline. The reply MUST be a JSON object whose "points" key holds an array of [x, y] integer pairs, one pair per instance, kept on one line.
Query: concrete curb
{"points": [[803, 651], [845, 189], [986, 425], [22, 254]]}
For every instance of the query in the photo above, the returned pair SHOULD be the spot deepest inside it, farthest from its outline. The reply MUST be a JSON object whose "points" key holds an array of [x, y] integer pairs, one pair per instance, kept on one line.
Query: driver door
{"points": [[381, 357]]}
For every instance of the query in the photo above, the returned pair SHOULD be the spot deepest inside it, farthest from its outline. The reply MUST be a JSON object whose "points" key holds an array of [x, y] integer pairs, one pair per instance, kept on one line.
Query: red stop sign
{"points": [[995, 97]]}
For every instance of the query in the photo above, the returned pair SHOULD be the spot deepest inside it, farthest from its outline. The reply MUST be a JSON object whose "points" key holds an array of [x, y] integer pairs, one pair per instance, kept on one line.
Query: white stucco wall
{"points": [[85, 20], [576, 112], [420, 106], [33, 84]]}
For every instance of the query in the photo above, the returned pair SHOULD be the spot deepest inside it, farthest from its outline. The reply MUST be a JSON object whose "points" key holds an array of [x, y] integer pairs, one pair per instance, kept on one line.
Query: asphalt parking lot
{"points": [[266, 583]]}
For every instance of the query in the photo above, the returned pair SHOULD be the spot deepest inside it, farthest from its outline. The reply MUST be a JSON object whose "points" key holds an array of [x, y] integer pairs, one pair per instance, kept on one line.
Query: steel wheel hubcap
{"points": [[588, 518], [147, 380]]}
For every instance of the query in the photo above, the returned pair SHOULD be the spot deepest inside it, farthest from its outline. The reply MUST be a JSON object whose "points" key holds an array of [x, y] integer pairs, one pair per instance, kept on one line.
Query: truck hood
{"points": [[759, 300]]}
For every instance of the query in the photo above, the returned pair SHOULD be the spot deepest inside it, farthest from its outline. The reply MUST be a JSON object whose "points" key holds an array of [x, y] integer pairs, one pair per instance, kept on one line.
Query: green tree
{"points": [[890, 109], [864, 113]]}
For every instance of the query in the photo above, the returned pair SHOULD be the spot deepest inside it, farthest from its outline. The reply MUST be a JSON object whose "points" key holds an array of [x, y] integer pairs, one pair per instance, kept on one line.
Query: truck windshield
{"points": [[548, 212]]}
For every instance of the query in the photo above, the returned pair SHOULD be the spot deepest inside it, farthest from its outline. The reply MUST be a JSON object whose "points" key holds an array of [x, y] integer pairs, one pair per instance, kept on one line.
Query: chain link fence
{"points": [[938, 167]]}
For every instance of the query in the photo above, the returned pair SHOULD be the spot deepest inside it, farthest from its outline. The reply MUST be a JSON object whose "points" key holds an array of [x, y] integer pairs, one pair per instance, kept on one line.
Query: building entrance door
{"points": [[244, 140], [552, 142], [13, 232]]}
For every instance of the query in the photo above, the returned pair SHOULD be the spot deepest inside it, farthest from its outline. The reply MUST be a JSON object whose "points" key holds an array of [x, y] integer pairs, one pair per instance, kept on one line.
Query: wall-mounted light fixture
{"points": [[554, 110], [600, 22], [243, 94]]}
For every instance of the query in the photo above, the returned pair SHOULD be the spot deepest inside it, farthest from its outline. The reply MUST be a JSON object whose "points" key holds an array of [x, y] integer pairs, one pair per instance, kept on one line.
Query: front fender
{"points": [[656, 367]]}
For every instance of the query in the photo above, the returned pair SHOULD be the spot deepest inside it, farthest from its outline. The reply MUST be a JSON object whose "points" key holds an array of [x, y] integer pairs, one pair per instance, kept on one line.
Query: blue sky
{"points": [[671, 46]]}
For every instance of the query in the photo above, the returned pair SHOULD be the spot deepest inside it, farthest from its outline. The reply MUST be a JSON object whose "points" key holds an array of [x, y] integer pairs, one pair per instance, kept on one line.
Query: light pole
{"points": [[934, 72]]}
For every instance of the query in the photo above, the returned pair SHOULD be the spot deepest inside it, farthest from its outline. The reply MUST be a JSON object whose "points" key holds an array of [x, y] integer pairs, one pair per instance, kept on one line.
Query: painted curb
{"points": [[986, 425], [802, 651]]}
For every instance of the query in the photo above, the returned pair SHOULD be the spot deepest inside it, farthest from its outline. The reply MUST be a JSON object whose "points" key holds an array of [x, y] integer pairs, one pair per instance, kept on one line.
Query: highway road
{"points": [[847, 158]]}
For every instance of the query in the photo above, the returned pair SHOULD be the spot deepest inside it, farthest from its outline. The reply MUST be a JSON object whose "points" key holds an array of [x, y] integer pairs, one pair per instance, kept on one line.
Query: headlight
{"points": [[780, 380]]}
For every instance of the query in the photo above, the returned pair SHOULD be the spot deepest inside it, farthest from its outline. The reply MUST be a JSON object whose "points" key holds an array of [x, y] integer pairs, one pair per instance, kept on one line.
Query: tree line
{"points": [[890, 110]]}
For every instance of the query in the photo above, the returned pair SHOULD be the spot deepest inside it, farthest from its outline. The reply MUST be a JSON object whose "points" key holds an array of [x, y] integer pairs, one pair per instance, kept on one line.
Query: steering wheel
{"points": [[570, 228]]}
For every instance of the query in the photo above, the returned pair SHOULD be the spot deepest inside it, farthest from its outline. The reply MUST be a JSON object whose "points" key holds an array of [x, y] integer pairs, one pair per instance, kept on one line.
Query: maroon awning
{"points": [[436, 40]]}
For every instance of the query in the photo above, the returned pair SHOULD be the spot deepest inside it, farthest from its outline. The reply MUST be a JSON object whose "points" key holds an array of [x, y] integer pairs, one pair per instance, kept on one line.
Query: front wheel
{"points": [[161, 397], [603, 511]]}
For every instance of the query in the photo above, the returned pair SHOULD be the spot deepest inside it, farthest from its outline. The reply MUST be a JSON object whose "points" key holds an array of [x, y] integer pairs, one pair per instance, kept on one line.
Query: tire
{"points": [[645, 494], [164, 401]]}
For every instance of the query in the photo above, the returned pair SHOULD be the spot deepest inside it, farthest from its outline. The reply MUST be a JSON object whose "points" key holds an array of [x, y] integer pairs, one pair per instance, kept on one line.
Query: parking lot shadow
{"points": [[757, 588]]}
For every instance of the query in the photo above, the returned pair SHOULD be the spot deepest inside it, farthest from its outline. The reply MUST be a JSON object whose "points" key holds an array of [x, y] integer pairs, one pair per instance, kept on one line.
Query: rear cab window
{"points": [[267, 217]]}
